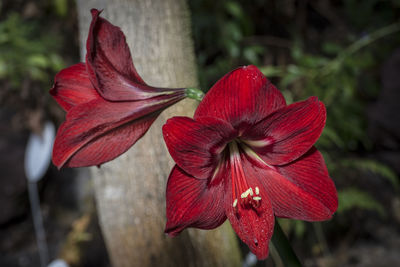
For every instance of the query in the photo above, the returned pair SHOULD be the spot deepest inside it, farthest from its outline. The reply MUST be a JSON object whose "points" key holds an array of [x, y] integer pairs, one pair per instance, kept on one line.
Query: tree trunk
{"points": [[130, 191]]}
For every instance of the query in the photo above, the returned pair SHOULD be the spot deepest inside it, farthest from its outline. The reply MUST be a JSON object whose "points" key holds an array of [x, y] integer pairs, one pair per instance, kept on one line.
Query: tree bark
{"points": [[130, 191]]}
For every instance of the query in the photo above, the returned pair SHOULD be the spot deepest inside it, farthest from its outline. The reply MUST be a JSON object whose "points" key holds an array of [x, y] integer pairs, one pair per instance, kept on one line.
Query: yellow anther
{"points": [[235, 202], [257, 190], [251, 191], [257, 198], [247, 192]]}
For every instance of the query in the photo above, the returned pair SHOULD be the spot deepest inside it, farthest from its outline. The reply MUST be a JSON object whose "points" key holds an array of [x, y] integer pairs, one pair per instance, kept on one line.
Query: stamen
{"points": [[258, 143], [246, 193], [255, 156], [235, 202], [249, 196]]}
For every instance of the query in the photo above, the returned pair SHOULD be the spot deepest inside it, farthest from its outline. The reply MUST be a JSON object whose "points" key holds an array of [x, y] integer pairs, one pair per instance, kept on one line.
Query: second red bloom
{"points": [[109, 107]]}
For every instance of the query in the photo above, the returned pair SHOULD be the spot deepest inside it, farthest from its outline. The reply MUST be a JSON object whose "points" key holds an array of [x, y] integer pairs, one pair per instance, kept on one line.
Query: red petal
{"points": [[112, 144], [294, 199], [196, 146], [288, 133], [253, 226], [310, 174], [90, 126], [243, 96], [109, 63], [193, 203], [73, 87]]}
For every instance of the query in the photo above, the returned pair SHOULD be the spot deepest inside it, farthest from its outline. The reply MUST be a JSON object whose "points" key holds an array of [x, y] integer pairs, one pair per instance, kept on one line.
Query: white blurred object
{"points": [[37, 160], [250, 260], [38, 153], [58, 263]]}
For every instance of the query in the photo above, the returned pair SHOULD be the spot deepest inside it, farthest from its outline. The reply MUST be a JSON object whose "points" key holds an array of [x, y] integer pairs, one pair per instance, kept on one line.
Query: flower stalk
{"points": [[283, 247]]}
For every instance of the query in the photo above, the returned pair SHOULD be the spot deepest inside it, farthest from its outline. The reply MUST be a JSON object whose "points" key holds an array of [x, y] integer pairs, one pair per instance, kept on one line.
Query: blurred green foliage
{"points": [[353, 197], [61, 7], [27, 52], [375, 167], [337, 82], [37, 39], [219, 28]]}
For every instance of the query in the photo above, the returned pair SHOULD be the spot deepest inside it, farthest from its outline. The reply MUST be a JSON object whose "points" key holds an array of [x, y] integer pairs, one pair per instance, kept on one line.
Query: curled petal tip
{"points": [[56, 161], [95, 12], [169, 231], [59, 167], [313, 99]]}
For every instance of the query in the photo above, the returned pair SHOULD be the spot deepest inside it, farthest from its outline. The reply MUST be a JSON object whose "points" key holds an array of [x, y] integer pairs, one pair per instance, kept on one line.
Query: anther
{"points": [[257, 190], [246, 193], [235, 202], [257, 198]]}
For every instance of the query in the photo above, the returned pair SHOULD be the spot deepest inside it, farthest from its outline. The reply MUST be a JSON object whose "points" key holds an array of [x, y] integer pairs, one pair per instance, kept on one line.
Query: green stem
{"points": [[359, 44], [275, 256], [195, 93], [370, 38], [282, 246], [319, 232]]}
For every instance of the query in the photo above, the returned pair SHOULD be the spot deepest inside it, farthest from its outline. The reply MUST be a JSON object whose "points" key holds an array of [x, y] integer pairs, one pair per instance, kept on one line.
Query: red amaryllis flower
{"points": [[109, 107], [247, 156]]}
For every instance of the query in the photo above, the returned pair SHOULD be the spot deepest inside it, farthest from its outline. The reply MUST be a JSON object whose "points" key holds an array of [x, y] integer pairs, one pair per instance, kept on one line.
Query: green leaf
{"points": [[271, 71], [329, 135], [290, 225], [3, 68], [299, 228], [234, 9], [376, 167], [57, 62], [252, 54], [331, 48], [351, 198], [40, 61], [288, 96], [61, 7]]}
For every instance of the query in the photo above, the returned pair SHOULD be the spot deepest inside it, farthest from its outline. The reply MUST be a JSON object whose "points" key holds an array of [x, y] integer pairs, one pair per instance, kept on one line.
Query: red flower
{"points": [[246, 156], [109, 107]]}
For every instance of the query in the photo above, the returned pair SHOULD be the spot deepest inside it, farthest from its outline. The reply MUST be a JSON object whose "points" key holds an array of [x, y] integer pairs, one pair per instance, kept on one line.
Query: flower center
{"points": [[242, 194]]}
